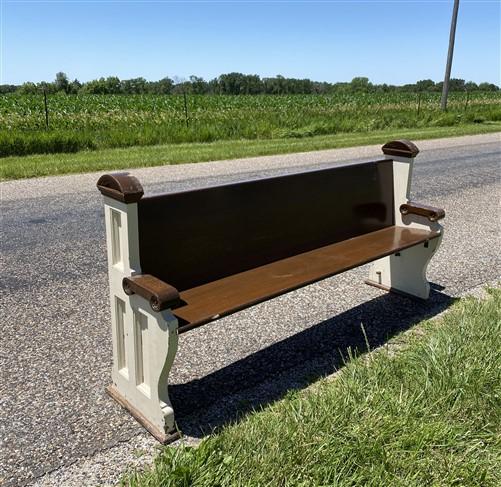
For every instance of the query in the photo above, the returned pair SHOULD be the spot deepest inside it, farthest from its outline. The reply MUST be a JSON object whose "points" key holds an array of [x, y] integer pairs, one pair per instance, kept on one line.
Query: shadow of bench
{"points": [[224, 396]]}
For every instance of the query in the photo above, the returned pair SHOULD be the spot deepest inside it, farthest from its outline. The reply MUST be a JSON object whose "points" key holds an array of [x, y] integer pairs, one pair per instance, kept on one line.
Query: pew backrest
{"points": [[194, 237]]}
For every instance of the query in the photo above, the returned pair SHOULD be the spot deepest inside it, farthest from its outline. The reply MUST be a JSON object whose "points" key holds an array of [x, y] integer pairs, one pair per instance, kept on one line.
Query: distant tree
{"points": [[298, 86], [384, 88], [252, 84], [112, 85], [408, 88], [341, 87], [134, 86], [198, 85], [322, 88], [95, 87], [103, 86], [471, 86], [238, 84], [182, 87], [271, 86], [28, 88], [62, 83], [276, 86], [49, 88], [425, 85], [231, 83], [235, 84], [214, 87], [161, 87], [4, 89], [74, 87], [456, 84], [360, 84], [488, 87]]}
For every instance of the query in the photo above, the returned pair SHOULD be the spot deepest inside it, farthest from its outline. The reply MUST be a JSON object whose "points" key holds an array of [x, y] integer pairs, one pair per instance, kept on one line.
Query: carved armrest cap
{"points": [[121, 186], [433, 214], [402, 148], [159, 294]]}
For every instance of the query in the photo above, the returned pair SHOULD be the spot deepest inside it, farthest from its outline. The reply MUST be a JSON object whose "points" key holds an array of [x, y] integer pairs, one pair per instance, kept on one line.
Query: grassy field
{"points": [[134, 157], [429, 415], [91, 122]]}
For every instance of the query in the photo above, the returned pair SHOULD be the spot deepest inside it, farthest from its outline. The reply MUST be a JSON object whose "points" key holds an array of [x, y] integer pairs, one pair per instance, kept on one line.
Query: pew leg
{"points": [[144, 348], [405, 271]]}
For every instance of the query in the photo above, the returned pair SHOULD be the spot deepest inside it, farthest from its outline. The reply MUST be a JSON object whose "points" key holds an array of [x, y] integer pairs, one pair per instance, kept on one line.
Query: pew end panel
{"points": [[144, 339], [405, 272]]}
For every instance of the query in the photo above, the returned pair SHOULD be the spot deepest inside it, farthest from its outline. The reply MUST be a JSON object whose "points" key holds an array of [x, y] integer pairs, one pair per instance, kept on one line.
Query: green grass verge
{"points": [[428, 415], [110, 159]]}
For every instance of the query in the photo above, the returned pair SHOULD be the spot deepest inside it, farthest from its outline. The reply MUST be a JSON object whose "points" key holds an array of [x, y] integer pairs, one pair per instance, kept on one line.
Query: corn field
{"points": [[87, 122]]}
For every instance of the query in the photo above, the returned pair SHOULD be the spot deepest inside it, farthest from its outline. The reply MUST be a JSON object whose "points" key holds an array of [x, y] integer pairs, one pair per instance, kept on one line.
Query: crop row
{"points": [[95, 121]]}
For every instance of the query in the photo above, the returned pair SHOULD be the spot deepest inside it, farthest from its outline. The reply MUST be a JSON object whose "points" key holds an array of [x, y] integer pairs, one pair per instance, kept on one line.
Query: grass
{"points": [[111, 159], [95, 122], [428, 415]]}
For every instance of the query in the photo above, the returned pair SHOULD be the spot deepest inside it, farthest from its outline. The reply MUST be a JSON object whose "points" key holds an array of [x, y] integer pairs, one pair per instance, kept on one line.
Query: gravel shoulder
{"points": [[55, 354]]}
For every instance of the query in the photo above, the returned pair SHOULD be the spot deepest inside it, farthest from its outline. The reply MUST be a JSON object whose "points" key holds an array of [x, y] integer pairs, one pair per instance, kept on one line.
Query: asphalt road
{"points": [[55, 350]]}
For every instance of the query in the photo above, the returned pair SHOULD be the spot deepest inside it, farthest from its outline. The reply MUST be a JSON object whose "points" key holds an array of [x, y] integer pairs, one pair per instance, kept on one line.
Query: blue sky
{"points": [[388, 41]]}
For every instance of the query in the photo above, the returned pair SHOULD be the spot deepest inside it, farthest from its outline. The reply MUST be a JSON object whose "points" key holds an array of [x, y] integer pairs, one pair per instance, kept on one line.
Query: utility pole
{"points": [[445, 89]]}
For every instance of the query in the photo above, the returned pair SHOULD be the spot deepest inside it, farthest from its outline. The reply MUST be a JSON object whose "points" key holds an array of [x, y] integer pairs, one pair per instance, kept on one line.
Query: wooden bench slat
{"points": [[225, 296]]}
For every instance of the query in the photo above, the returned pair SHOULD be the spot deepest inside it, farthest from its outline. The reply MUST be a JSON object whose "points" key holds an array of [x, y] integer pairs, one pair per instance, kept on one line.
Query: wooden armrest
{"points": [[160, 295], [433, 214]]}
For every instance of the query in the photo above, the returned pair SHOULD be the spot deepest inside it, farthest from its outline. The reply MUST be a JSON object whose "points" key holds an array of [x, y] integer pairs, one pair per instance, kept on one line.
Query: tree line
{"points": [[232, 84]]}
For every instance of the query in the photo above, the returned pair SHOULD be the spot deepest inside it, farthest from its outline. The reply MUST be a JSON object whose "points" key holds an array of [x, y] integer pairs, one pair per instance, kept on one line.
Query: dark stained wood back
{"points": [[194, 237]]}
